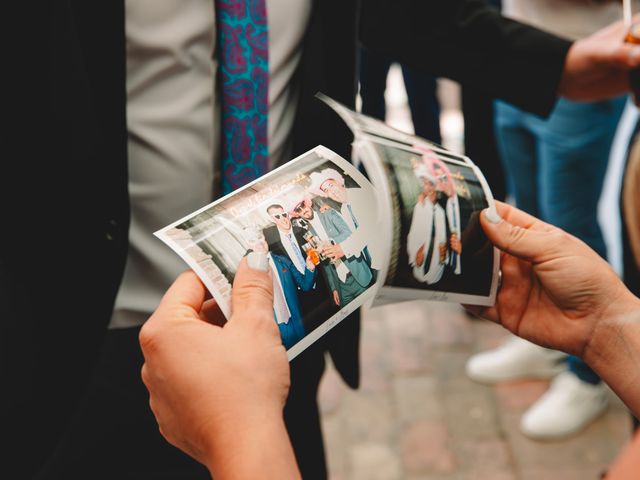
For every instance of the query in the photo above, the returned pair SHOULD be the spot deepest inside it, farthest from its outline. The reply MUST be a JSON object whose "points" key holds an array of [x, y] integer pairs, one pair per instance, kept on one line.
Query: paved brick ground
{"points": [[416, 415]]}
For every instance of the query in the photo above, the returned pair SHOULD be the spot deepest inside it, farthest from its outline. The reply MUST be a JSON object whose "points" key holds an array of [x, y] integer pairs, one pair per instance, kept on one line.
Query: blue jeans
{"points": [[556, 168]]}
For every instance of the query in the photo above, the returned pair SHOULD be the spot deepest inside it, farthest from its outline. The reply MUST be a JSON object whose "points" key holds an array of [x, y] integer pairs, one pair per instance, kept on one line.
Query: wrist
{"points": [[248, 445], [608, 327]]}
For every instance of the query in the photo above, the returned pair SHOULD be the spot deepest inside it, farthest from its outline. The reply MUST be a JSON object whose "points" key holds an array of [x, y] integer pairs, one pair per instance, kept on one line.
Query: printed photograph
{"points": [[361, 123], [315, 218], [439, 245]]}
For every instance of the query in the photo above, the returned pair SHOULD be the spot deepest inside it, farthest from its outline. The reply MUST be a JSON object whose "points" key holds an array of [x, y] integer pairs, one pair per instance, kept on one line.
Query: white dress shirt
{"points": [[453, 217], [427, 217], [292, 248], [281, 310], [174, 127]]}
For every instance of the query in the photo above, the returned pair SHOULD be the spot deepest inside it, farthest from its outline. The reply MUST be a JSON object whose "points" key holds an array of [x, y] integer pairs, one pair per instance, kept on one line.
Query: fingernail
{"points": [[492, 215], [258, 261]]}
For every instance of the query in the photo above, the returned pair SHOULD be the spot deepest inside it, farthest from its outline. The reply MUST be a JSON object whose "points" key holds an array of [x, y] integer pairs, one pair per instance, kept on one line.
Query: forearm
{"points": [[257, 449], [614, 353]]}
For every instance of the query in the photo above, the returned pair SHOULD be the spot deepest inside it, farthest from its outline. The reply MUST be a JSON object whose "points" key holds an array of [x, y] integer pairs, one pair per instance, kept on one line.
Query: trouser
{"points": [[291, 332], [115, 436], [349, 290], [479, 139], [421, 92], [557, 168]]}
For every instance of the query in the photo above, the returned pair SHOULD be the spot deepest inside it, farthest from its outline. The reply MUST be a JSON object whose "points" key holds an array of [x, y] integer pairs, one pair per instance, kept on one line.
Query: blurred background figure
{"points": [[479, 135], [421, 91], [556, 167]]}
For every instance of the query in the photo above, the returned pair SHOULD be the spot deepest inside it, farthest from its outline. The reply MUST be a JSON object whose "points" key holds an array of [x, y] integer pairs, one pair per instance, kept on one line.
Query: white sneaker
{"points": [[567, 407], [515, 358]]}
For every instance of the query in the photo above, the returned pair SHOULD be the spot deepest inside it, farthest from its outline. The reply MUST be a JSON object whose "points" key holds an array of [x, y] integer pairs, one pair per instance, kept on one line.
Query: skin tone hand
{"points": [[336, 298], [455, 244], [420, 256], [560, 294], [310, 265], [442, 249], [334, 252], [597, 67], [218, 392], [554, 287]]}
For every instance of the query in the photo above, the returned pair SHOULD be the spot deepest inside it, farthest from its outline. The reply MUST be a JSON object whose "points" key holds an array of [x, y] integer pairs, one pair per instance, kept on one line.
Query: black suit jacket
{"points": [[64, 199]]}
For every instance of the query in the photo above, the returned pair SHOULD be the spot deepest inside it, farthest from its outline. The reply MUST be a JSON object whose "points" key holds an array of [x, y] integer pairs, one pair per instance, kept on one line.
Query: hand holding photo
{"points": [[438, 250], [310, 223]]}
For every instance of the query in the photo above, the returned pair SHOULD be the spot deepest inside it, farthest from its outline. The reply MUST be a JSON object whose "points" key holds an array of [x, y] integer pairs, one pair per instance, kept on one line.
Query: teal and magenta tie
{"points": [[243, 56]]}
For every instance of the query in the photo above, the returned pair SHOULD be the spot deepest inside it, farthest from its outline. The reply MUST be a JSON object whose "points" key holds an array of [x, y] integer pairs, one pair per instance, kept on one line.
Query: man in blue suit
{"points": [[286, 281]]}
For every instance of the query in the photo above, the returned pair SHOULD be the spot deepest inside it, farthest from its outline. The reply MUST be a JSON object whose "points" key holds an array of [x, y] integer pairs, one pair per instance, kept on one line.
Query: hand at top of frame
{"points": [[218, 392], [555, 289], [597, 67]]}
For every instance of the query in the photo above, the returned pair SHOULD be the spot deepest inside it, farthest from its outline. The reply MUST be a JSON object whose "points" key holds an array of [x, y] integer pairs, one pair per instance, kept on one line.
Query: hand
{"points": [[597, 66], [336, 298], [310, 265], [455, 244], [216, 390], [334, 252], [554, 287], [324, 208], [442, 250], [420, 256]]}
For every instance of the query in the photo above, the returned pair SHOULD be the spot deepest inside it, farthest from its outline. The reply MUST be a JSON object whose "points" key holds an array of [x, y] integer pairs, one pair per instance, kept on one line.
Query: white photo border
{"points": [[389, 294], [225, 307]]}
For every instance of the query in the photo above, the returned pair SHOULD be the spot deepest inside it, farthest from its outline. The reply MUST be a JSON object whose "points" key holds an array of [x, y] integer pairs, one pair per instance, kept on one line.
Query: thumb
{"points": [[527, 244], [252, 294], [187, 291]]}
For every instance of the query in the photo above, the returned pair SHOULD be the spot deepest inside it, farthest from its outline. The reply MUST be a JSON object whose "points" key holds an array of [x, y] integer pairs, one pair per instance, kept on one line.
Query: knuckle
{"points": [[253, 290], [515, 235], [148, 337], [264, 317], [144, 374]]}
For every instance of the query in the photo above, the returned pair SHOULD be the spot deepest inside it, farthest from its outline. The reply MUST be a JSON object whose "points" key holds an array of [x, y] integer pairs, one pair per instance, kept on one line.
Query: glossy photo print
{"points": [[315, 218]]}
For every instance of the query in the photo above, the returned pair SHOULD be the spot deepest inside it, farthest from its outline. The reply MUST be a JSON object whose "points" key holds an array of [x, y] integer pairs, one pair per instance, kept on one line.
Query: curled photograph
{"points": [[315, 219], [438, 244]]}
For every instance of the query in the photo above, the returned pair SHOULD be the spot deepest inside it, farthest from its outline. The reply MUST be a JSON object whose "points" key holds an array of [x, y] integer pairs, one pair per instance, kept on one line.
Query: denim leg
{"points": [[423, 102], [573, 155], [517, 148], [580, 369], [373, 83]]}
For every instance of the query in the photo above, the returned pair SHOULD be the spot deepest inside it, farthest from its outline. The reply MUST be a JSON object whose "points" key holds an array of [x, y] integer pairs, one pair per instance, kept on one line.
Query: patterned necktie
{"points": [[243, 55]]}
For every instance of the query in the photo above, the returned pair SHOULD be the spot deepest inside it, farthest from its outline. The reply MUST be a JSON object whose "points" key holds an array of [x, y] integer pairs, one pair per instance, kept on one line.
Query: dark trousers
{"points": [[114, 436], [421, 91], [479, 136], [479, 139]]}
